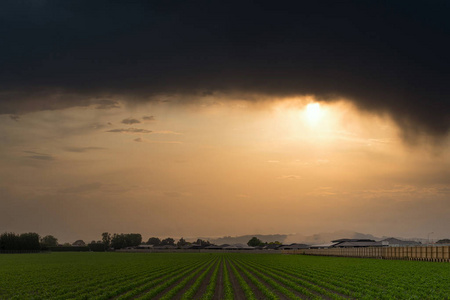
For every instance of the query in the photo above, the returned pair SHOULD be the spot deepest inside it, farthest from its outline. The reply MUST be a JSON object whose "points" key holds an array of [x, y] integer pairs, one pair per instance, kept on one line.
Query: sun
{"points": [[313, 113]]}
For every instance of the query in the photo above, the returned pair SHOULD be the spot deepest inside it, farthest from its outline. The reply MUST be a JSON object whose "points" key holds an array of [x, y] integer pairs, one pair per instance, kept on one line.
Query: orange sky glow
{"points": [[214, 167]]}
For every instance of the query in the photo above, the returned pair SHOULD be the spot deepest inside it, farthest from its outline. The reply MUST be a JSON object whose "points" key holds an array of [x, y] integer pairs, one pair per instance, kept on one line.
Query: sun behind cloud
{"points": [[313, 113]]}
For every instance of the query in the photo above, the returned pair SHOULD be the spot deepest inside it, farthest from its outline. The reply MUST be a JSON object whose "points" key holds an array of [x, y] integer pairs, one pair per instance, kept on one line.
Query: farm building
{"points": [[213, 247], [321, 246], [351, 243], [272, 247], [144, 246], [294, 247], [393, 242], [166, 247]]}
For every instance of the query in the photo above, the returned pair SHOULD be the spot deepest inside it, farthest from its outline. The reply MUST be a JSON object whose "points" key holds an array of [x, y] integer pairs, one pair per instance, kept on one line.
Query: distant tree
{"points": [[154, 241], [202, 243], [119, 241], [67, 245], [49, 241], [25, 241], [9, 241], [255, 242], [97, 247], [168, 241], [275, 243], [182, 242], [29, 241], [106, 239], [79, 243], [133, 239]]}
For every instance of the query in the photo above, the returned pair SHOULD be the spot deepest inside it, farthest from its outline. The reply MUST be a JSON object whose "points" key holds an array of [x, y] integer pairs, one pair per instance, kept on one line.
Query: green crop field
{"points": [[217, 276]]}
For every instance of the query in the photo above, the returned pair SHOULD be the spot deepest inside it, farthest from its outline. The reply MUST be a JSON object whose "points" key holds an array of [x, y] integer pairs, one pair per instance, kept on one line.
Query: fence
{"points": [[425, 253]]}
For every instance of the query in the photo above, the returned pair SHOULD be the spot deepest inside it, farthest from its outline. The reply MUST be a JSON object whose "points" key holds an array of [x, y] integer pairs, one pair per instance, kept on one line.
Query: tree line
{"points": [[33, 242], [125, 240], [30, 241]]}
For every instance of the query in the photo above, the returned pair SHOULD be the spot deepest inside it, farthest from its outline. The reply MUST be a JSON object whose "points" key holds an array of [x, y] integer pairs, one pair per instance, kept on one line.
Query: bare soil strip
{"points": [[237, 290], [202, 288], [288, 276], [151, 278], [188, 284], [183, 290], [256, 291], [218, 292], [276, 292], [323, 287], [165, 290]]}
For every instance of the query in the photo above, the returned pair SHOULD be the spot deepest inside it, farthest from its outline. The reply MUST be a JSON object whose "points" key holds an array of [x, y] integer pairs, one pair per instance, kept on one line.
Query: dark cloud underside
{"points": [[130, 130], [386, 56], [130, 121], [82, 149]]}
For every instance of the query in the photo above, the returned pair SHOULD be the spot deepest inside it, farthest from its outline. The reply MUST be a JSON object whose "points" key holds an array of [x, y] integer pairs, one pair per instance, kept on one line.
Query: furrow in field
{"points": [[96, 288], [129, 290], [304, 287], [329, 283], [265, 290], [241, 289], [208, 288], [227, 281], [256, 291], [349, 280], [317, 283], [186, 281], [288, 288], [167, 285], [191, 288]]}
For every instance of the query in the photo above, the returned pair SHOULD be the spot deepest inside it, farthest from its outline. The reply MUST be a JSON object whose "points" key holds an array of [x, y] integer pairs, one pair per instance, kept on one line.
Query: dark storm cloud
{"points": [[107, 104], [148, 118], [83, 188], [130, 121], [385, 56], [82, 149], [39, 156], [14, 117]]}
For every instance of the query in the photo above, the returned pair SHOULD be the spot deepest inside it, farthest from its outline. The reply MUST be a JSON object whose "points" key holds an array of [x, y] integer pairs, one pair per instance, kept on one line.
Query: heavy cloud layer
{"points": [[385, 56]]}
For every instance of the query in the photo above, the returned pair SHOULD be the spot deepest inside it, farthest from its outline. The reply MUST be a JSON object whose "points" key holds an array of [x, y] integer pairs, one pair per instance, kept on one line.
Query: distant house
{"points": [[322, 246], [294, 247], [271, 247], [213, 247], [229, 247], [352, 243], [393, 242], [193, 246], [237, 247], [444, 242], [79, 243], [144, 246], [243, 247], [165, 247]]}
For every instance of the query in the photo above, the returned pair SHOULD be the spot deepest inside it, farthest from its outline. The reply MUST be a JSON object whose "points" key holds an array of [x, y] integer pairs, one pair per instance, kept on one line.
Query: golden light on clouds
{"points": [[290, 161]]}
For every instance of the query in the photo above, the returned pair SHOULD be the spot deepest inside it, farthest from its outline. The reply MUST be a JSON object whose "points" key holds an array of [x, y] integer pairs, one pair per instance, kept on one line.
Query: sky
{"points": [[224, 118]]}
